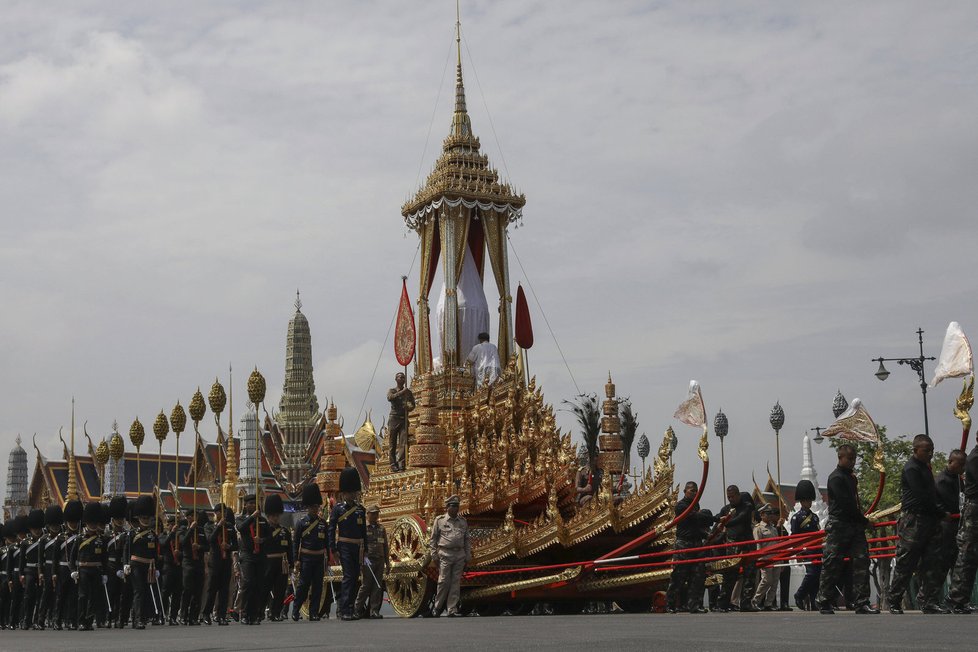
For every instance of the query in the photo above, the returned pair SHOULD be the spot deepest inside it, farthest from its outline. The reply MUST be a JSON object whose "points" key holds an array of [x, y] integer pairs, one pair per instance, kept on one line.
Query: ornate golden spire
{"points": [[71, 492], [461, 170], [461, 125]]}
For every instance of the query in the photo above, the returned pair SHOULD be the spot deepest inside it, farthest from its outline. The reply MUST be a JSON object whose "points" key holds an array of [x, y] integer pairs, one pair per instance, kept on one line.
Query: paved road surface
{"points": [[755, 632]]}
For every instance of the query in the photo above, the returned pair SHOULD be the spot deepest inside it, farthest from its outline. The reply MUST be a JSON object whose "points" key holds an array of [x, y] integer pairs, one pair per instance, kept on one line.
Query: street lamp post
{"points": [[818, 434], [720, 427], [777, 422], [917, 364]]}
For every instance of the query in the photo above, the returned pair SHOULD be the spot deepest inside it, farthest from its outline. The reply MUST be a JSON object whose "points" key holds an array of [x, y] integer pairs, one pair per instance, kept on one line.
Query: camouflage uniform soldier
{"points": [[949, 499], [376, 564], [736, 517], [919, 528], [845, 536], [963, 576], [402, 402], [688, 579], [451, 548]]}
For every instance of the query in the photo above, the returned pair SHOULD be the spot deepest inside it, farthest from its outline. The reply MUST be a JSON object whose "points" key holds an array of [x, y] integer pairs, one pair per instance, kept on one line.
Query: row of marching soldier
{"points": [[118, 564]]}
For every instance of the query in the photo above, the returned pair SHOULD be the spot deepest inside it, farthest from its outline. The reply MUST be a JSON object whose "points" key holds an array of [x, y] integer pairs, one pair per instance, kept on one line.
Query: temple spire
{"points": [[461, 125], [298, 301]]}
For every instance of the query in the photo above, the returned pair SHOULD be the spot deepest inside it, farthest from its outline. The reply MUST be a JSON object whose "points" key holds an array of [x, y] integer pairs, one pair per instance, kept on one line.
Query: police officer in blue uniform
{"points": [[805, 520], [253, 554], [346, 535], [141, 559], [33, 561], [88, 563], [53, 519], [309, 553]]}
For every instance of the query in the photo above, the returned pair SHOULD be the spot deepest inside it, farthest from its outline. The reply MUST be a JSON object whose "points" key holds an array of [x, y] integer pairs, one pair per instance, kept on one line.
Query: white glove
{"points": [[120, 574], [157, 575], [105, 579], [127, 569], [366, 562], [74, 575]]}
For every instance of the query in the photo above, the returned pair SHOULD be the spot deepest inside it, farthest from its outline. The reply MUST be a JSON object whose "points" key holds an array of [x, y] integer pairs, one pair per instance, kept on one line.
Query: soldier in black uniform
{"points": [[172, 572], [737, 520], [33, 560], [53, 538], [120, 592], [8, 537], [87, 562], [845, 536], [193, 545], [376, 564], [309, 553], [949, 499], [688, 579], [140, 563], [15, 571], [279, 557], [804, 521], [919, 528], [223, 542], [252, 553], [66, 596], [345, 536], [4, 588], [963, 576]]}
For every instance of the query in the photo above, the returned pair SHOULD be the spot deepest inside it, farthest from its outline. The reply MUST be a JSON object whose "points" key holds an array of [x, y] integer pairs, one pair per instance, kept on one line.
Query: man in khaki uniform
{"points": [[376, 564], [450, 547]]}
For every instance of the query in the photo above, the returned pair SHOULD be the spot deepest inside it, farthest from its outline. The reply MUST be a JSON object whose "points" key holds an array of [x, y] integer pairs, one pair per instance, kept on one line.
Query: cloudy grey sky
{"points": [[761, 196]]}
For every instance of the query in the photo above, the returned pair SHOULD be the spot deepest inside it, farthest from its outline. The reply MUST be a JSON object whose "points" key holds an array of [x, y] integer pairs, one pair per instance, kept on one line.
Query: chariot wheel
{"points": [[408, 585]]}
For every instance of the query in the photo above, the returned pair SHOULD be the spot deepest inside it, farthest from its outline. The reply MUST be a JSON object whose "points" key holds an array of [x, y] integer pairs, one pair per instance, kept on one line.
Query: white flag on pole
{"points": [[692, 412], [956, 357]]}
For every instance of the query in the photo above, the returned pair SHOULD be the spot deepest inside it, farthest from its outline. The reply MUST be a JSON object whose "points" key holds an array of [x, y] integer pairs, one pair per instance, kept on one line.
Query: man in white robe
{"points": [[484, 359]]}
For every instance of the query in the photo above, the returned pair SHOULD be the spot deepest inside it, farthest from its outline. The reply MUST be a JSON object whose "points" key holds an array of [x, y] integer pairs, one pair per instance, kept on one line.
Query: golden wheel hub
{"points": [[408, 586]]}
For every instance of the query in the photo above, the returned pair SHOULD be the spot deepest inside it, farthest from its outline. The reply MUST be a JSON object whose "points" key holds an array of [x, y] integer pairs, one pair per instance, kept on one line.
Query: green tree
{"points": [[896, 452]]}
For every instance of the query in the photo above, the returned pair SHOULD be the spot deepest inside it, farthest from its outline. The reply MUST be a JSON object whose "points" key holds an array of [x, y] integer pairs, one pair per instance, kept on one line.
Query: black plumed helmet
{"points": [[144, 506], [350, 480], [805, 490], [92, 514], [273, 504], [117, 507], [35, 520], [73, 511], [53, 515], [20, 524], [311, 495]]}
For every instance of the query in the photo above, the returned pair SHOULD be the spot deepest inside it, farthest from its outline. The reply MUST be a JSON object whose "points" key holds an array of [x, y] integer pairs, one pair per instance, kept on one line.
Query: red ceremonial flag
{"points": [[524, 329], [404, 333]]}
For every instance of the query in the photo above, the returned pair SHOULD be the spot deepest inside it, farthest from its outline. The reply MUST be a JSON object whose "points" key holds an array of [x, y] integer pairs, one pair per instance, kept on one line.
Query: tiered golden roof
{"points": [[461, 170]]}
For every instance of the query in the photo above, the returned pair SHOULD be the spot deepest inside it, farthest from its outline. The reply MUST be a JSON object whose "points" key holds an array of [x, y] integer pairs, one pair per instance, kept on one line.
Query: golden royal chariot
{"points": [[497, 446]]}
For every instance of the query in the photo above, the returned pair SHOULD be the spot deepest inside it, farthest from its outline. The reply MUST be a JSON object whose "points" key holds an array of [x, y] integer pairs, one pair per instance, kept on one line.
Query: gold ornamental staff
{"points": [[136, 435], [178, 421], [161, 428], [197, 410], [256, 394]]}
